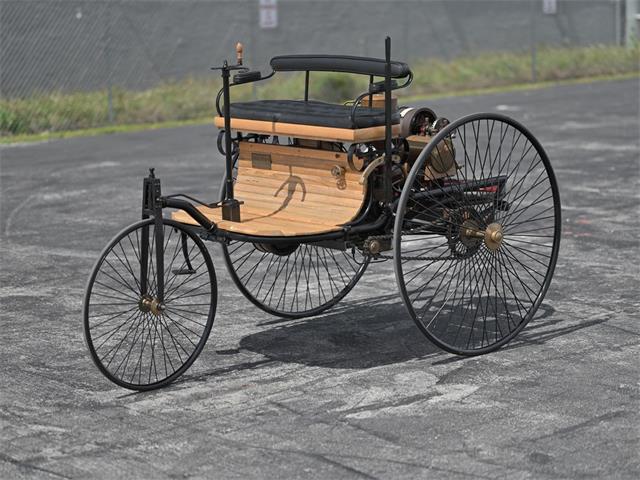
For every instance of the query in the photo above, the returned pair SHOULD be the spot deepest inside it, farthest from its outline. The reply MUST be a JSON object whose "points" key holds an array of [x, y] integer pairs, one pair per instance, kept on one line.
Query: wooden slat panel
{"points": [[260, 227], [328, 133], [311, 201], [312, 132], [253, 126], [291, 216], [271, 185], [251, 216], [302, 153], [313, 176], [319, 173], [297, 195]]}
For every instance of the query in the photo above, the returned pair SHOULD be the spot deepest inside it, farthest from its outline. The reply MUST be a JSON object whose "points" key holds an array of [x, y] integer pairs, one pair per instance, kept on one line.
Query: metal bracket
{"points": [[261, 160], [370, 168]]}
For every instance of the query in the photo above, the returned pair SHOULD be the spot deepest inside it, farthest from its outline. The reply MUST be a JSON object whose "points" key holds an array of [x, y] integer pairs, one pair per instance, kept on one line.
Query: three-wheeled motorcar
{"points": [[468, 211]]}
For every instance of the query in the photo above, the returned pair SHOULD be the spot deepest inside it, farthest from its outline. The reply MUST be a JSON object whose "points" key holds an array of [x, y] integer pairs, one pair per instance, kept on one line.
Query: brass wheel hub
{"points": [[149, 304], [492, 235]]}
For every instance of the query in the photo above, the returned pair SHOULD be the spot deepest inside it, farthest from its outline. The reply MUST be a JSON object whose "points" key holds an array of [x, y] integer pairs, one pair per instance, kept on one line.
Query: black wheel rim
{"points": [[137, 346], [466, 294], [304, 282]]}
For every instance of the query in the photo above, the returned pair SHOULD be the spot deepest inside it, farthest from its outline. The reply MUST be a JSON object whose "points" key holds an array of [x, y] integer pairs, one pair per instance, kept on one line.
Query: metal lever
{"points": [[370, 168]]}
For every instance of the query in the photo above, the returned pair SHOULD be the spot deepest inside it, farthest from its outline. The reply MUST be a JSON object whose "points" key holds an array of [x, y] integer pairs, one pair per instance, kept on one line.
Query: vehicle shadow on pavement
{"points": [[365, 334], [372, 334], [368, 335]]}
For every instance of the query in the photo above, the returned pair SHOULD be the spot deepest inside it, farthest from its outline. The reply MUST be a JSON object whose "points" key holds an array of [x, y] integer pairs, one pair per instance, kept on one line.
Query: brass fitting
{"points": [[492, 235], [148, 304]]}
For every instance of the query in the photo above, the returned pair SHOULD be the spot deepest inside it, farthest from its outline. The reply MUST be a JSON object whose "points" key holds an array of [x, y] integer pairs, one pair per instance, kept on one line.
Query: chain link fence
{"points": [[68, 46]]}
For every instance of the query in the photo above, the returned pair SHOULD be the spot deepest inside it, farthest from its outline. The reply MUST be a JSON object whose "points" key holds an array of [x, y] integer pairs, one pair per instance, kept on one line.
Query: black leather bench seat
{"points": [[309, 113]]}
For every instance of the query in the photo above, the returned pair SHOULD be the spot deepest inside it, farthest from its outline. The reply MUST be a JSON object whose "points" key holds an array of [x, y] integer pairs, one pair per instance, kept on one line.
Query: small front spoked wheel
{"points": [[137, 339]]}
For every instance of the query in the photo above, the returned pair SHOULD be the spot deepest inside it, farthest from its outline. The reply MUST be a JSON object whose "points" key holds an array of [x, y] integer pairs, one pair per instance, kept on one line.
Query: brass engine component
{"points": [[441, 162], [442, 159]]}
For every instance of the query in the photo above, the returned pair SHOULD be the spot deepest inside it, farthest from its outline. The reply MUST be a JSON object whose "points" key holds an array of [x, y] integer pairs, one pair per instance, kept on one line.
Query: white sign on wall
{"points": [[549, 7], [268, 13]]}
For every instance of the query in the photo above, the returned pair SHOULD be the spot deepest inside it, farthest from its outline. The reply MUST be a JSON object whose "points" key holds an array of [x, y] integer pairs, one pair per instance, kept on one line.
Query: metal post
{"points": [[253, 26], [406, 29], [227, 131], [230, 206], [532, 42], [107, 56], [306, 86], [617, 22], [631, 23], [387, 186]]}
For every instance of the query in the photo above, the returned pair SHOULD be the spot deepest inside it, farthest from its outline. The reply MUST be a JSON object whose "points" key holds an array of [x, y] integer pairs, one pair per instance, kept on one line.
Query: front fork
{"points": [[151, 206]]}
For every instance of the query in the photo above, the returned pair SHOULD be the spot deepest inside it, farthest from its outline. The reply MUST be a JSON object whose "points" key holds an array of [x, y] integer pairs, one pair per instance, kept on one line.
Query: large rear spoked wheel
{"points": [[139, 339], [475, 250]]}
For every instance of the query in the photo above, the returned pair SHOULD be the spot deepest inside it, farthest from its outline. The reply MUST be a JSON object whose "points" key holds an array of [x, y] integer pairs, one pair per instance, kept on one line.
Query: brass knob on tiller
{"points": [[239, 52]]}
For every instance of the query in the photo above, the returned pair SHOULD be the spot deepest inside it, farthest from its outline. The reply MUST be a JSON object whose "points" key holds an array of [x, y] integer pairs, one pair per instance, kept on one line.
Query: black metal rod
{"points": [[466, 186], [144, 259], [371, 79], [159, 240], [191, 210], [388, 194], [306, 86], [227, 132]]}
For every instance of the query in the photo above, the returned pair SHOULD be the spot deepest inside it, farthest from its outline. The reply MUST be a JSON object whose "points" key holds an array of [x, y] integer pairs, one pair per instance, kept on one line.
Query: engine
{"points": [[418, 125]]}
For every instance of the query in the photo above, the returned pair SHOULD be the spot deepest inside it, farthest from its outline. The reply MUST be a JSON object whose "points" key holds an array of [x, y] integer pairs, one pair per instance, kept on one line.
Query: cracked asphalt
{"points": [[356, 392]]}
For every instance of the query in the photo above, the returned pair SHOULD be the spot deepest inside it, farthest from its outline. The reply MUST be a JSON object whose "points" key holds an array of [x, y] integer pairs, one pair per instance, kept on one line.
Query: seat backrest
{"points": [[295, 183], [338, 63]]}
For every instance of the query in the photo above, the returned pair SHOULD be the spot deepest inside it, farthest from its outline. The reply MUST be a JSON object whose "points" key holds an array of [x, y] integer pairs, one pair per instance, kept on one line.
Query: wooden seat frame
{"points": [[312, 132], [286, 193], [290, 191]]}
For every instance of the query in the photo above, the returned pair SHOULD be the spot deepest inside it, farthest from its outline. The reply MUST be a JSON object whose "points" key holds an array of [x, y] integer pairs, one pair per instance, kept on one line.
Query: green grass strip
{"points": [[191, 101], [137, 127]]}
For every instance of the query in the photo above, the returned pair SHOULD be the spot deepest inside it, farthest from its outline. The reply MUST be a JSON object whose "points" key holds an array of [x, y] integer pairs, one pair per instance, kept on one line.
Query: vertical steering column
{"points": [[387, 185], [152, 206], [230, 206]]}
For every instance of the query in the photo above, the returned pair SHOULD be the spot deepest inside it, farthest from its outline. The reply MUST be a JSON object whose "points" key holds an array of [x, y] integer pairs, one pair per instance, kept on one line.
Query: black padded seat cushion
{"points": [[309, 113]]}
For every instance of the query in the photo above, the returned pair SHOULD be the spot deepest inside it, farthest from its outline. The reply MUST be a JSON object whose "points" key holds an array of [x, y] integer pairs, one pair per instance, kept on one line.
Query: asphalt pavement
{"points": [[356, 392]]}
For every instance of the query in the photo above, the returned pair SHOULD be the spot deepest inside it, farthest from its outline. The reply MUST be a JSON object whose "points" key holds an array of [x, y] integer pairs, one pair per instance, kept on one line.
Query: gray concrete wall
{"points": [[87, 45]]}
